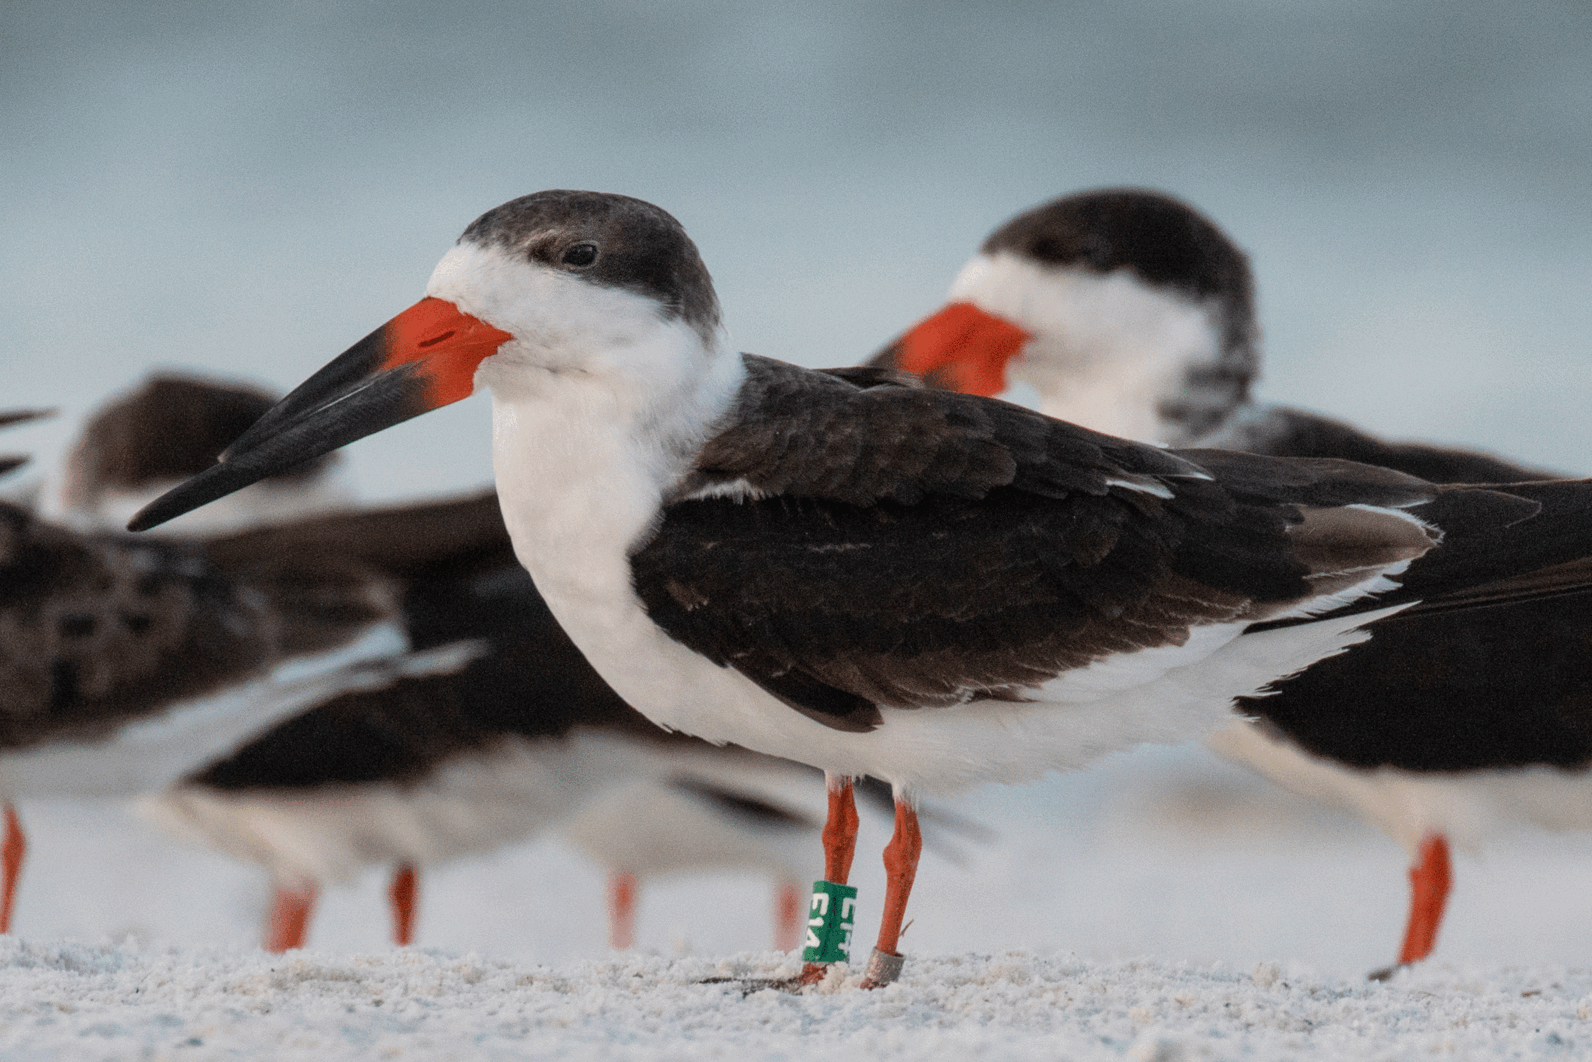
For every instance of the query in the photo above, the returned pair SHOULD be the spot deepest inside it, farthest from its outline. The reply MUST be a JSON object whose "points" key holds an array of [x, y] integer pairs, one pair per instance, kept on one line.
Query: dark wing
{"points": [[1517, 541], [1492, 686], [848, 547], [319, 571], [523, 678], [404, 541], [22, 416], [1284, 432], [97, 630], [1488, 669]]}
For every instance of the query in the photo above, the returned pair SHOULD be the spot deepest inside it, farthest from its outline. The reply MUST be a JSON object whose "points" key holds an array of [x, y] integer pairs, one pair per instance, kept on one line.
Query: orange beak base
{"points": [[422, 359], [960, 348]]}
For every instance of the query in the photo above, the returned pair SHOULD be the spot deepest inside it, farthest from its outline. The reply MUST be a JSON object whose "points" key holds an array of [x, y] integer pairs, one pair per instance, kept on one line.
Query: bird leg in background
{"points": [[900, 869], [11, 853], [289, 920], [622, 911], [404, 892], [788, 916], [1429, 881], [840, 844]]}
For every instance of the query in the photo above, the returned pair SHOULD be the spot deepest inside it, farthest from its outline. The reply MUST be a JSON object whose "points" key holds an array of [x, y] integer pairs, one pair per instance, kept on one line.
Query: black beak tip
{"points": [[215, 482]]}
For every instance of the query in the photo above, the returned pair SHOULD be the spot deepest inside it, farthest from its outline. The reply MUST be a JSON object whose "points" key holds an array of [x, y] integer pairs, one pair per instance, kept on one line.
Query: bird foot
{"points": [[812, 973], [883, 968]]}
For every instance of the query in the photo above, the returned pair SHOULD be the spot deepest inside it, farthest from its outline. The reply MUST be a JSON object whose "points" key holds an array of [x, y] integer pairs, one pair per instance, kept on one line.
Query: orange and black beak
{"points": [[961, 348], [422, 359]]}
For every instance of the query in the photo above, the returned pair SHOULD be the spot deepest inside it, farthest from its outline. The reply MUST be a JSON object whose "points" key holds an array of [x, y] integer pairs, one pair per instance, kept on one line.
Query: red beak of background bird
{"points": [[961, 348]]}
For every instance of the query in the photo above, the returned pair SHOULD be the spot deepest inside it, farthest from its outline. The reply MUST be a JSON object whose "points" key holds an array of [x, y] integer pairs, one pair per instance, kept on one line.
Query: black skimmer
{"points": [[172, 426], [485, 728], [503, 730], [1128, 310], [128, 663], [867, 576]]}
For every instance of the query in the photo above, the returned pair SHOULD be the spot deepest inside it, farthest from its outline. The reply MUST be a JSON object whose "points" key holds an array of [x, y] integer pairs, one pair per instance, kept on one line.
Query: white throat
{"points": [[1107, 352], [600, 403]]}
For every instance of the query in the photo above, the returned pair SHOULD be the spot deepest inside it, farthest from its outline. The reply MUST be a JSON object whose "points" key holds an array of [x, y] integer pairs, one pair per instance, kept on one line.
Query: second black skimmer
{"points": [[870, 577], [1128, 310], [127, 663]]}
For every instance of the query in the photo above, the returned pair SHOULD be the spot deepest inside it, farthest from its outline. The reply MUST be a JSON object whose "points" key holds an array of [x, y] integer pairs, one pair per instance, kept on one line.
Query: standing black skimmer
{"points": [[504, 730], [128, 663], [483, 728], [1129, 311], [172, 426], [874, 578]]}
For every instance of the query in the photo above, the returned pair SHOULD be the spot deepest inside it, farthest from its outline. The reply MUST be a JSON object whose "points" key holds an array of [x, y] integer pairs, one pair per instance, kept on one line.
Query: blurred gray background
{"points": [[249, 188]]}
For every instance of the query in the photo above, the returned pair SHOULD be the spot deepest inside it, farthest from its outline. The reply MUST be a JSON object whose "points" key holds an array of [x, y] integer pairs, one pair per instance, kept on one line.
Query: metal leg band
{"points": [[884, 968]]}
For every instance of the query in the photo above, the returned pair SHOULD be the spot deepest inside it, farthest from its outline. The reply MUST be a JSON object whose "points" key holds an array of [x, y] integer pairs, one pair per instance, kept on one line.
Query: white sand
{"points": [[1161, 907]]}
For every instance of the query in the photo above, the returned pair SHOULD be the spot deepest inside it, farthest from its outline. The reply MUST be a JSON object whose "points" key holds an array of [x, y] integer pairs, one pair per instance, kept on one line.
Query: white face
{"points": [[1107, 350], [560, 322], [586, 357]]}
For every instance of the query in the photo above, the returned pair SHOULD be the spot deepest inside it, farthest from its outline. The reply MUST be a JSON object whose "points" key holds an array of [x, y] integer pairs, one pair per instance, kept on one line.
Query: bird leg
{"points": [[11, 853], [622, 911], [289, 920], [840, 829], [788, 916], [840, 845], [404, 892], [1429, 882], [900, 869]]}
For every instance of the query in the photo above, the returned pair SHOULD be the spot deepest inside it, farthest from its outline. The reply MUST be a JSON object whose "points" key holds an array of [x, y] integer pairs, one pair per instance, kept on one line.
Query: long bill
{"points": [[422, 359]]}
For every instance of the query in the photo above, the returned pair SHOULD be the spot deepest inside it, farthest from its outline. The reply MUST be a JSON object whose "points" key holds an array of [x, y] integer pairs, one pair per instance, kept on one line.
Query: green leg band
{"points": [[829, 922]]}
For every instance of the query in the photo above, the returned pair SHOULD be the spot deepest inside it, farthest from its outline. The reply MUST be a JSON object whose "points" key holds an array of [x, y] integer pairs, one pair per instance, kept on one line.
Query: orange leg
{"points": [[1429, 881], [11, 853], [622, 911], [840, 844], [840, 829], [289, 920], [900, 870], [404, 892], [788, 916]]}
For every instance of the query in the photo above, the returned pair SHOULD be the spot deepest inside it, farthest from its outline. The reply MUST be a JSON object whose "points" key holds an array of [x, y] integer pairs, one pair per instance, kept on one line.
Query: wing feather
{"points": [[914, 548]]}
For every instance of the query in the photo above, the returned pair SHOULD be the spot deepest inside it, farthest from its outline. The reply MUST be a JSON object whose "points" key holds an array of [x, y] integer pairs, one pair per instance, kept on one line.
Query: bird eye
{"points": [[580, 255]]}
